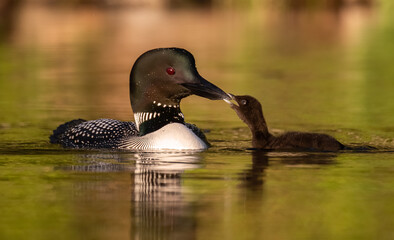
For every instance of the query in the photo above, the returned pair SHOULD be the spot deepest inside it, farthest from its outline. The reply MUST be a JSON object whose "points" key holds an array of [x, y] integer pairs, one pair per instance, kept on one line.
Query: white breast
{"points": [[174, 136]]}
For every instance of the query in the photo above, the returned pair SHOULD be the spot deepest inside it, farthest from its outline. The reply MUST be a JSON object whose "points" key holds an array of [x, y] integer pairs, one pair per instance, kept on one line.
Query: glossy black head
{"points": [[167, 75], [248, 110]]}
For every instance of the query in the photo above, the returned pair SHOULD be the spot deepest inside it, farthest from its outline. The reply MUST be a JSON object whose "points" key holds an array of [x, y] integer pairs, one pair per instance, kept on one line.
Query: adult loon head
{"points": [[159, 79]]}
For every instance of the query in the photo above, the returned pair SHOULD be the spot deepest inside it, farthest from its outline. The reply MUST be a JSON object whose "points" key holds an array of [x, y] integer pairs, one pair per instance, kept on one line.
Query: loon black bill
{"points": [[205, 89]]}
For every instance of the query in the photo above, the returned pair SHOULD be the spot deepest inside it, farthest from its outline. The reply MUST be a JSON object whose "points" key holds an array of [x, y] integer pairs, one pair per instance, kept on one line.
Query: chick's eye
{"points": [[170, 71], [244, 102]]}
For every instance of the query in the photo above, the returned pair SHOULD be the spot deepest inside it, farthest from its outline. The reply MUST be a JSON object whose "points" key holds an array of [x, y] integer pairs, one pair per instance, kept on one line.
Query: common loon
{"points": [[250, 111], [159, 79]]}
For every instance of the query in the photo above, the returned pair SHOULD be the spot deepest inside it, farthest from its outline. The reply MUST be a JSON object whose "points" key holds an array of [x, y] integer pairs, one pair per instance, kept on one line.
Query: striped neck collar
{"points": [[159, 116]]}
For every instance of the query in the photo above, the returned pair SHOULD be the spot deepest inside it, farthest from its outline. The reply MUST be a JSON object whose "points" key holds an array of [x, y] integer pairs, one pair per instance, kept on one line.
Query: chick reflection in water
{"points": [[252, 179]]}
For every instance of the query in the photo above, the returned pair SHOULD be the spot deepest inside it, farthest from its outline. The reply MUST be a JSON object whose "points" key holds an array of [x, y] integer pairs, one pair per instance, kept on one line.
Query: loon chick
{"points": [[250, 111], [159, 79]]}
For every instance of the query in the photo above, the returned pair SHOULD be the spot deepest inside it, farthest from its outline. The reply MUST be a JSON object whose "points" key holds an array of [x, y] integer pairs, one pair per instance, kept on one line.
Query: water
{"points": [[317, 70]]}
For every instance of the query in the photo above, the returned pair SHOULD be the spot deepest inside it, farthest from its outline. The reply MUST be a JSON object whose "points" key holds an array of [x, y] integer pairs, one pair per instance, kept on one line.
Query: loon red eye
{"points": [[170, 71]]}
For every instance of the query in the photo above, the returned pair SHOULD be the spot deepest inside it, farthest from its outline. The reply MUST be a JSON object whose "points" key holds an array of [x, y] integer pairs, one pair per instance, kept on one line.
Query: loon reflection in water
{"points": [[160, 207]]}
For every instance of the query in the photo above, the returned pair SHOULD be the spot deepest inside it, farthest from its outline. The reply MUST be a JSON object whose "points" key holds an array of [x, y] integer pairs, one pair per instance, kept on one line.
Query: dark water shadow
{"points": [[9, 9], [253, 178]]}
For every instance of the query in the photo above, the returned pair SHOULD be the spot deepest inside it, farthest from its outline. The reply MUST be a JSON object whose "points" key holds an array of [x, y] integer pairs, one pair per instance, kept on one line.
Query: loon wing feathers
{"points": [[100, 133]]}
